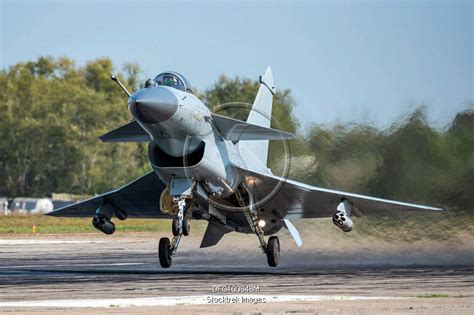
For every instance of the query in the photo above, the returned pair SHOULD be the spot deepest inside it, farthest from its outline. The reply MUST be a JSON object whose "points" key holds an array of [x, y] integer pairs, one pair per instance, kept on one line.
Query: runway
{"points": [[51, 273]]}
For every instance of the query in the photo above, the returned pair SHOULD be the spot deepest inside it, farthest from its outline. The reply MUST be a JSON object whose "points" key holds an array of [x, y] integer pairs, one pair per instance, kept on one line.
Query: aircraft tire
{"points": [[164, 252], [175, 227], [273, 251], [186, 227]]}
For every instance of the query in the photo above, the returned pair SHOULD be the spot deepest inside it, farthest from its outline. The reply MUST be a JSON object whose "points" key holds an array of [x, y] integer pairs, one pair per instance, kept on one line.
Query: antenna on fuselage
{"points": [[114, 78]]}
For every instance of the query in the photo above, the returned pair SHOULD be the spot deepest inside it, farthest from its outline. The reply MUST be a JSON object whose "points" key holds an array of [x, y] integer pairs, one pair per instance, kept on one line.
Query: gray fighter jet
{"points": [[214, 168]]}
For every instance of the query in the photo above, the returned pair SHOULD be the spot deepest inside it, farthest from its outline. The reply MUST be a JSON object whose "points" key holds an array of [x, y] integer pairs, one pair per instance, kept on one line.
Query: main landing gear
{"points": [[273, 251], [272, 248], [180, 226]]}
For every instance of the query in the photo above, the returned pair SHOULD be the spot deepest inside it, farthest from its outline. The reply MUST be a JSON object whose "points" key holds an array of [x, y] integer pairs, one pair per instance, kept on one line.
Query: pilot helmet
{"points": [[170, 80]]}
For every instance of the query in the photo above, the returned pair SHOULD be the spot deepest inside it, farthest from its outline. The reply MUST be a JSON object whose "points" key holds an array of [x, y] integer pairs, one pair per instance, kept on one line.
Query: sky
{"points": [[344, 61]]}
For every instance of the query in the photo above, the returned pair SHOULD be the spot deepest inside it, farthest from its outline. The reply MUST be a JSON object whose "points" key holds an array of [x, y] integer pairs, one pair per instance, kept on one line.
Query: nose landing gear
{"points": [[180, 226], [175, 228], [186, 226]]}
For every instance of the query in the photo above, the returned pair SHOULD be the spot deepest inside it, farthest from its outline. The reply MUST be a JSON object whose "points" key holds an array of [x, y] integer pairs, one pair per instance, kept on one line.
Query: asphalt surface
{"points": [[95, 267]]}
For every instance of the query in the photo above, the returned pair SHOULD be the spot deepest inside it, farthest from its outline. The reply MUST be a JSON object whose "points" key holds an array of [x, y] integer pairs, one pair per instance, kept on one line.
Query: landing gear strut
{"points": [[180, 226], [272, 248]]}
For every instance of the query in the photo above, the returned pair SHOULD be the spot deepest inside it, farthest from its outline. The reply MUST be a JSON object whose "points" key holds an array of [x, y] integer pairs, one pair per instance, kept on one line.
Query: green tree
{"points": [[51, 114]]}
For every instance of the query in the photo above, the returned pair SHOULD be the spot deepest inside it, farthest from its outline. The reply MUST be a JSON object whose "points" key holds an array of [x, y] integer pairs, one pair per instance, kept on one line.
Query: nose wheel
{"points": [[186, 226], [179, 226], [175, 228]]}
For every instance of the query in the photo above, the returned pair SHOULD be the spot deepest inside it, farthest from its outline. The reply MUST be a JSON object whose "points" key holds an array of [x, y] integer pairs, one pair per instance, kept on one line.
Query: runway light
{"points": [[261, 223]]}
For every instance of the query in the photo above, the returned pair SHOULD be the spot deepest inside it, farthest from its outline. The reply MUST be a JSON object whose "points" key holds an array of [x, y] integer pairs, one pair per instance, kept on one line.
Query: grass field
{"points": [[41, 224], [440, 226]]}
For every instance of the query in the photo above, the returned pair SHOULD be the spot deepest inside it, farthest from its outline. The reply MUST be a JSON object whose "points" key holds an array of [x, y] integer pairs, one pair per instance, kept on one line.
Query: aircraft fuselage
{"points": [[185, 145]]}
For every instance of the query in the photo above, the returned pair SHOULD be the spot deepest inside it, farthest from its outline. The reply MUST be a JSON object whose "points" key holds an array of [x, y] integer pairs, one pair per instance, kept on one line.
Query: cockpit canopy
{"points": [[174, 80]]}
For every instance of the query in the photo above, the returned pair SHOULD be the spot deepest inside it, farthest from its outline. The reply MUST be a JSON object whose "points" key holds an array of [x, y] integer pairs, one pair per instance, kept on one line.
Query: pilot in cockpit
{"points": [[173, 80], [170, 80]]}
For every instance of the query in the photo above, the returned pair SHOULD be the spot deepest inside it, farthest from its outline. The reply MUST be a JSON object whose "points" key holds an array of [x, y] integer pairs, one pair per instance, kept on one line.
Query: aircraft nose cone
{"points": [[153, 105]]}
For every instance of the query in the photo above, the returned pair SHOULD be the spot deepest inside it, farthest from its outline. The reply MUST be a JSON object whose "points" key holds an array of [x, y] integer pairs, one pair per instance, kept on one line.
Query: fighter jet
{"points": [[210, 167]]}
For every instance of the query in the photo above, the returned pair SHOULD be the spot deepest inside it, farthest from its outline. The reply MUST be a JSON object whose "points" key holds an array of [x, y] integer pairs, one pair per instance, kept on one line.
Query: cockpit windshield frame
{"points": [[174, 80]]}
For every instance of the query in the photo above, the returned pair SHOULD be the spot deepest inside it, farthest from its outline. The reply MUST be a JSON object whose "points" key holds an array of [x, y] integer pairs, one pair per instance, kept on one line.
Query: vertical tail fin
{"points": [[260, 115]]}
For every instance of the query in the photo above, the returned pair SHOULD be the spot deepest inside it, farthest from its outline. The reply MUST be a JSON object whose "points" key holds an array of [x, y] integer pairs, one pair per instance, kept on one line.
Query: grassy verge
{"points": [[41, 224], [441, 227]]}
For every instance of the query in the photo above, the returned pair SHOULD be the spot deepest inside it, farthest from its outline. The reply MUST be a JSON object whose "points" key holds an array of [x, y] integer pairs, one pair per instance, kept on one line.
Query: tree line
{"points": [[53, 111]]}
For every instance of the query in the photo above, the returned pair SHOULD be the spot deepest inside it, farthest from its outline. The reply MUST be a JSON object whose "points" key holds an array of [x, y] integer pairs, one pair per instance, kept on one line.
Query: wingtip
{"points": [[434, 208]]}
